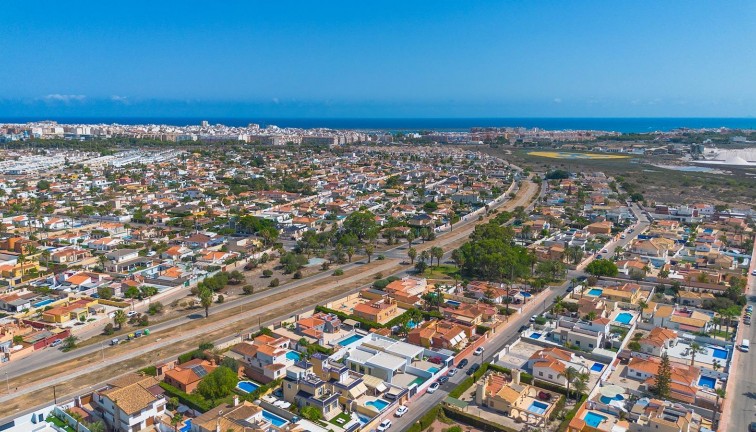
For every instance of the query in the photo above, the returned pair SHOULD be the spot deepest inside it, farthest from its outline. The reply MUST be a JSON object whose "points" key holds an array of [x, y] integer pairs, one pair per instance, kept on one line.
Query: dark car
{"points": [[435, 360], [523, 328], [752, 427], [443, 379], [474, 368], [462, 364], [544, 396]]}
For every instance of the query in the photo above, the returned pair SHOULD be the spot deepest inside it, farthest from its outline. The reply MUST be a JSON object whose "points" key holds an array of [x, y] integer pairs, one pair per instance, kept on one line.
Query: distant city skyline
{"points": [[377, 60]]}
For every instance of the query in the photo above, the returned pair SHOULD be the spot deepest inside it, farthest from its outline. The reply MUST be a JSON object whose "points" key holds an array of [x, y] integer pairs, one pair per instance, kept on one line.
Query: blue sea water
{"points": [[643, 124]]}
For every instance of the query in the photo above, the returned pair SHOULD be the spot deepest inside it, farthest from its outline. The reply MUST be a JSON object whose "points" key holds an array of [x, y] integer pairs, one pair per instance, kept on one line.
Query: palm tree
{"points": [[410, 237], [369, 249], [570, 375], [695, 348], [176, 421], [721, 394], [119, 317], [206, 299], [580, 385], [412, 254]]}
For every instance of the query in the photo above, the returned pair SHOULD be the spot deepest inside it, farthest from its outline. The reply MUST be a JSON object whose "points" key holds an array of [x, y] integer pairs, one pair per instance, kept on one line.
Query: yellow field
{"points": [[572, 155]]}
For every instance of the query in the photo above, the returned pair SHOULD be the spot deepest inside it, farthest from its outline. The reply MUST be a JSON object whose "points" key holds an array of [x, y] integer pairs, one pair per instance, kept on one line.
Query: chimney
{"points": [[236, 400], [516, 376]]}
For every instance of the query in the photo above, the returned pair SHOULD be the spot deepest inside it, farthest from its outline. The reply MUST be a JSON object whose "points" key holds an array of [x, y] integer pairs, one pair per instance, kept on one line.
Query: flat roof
{"points": [[387, 361]]}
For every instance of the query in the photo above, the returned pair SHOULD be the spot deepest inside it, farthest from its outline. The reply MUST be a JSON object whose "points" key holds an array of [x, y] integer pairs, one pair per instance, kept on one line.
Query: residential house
{"points": [[187, 376], [131, 403]]}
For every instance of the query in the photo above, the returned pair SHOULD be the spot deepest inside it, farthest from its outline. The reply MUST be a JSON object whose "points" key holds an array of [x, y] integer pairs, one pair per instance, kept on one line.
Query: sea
{"points": [[624, 124]]}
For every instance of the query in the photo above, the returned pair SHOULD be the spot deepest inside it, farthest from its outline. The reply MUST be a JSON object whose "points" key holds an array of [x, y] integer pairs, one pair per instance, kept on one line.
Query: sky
{"points": [[378, 58]]}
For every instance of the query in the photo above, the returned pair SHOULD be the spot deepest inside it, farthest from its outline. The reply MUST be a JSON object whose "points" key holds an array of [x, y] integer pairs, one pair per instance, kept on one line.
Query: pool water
{"points": [[708, 382], [453, 303], [593, 420], [535, 335], [433, 369], [378, 404], [719, 353], [350, 340], [624, 318], [607, 399], [247, 386], [526, 294], [597, 367], [595, 292], [293, 355], [274, 419], [538, 407], [43, 303], [187, 426]]}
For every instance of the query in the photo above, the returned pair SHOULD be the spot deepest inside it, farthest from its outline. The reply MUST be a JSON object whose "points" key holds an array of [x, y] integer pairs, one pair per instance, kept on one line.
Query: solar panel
{"points": [[200, 371]]}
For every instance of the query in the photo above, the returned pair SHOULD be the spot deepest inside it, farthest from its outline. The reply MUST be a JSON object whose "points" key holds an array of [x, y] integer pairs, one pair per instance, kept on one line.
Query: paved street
{"points": [[740, 405]]}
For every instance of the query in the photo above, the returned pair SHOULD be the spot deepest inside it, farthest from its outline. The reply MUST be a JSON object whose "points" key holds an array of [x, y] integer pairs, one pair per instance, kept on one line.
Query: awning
{"points": [[374, 383], [456, 402]]}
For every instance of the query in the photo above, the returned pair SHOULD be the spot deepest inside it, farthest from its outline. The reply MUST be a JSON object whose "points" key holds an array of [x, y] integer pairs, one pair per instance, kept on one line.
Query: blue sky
{"points": [[378, 59]]}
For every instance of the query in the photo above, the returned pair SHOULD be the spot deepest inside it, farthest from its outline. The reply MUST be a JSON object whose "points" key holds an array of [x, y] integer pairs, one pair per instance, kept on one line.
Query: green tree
{"points": [[218, 383], [248, 289], [695, 348], [663, 378], [412, 254], [69, 343], [369, 249], [602, 267], [438, 253], [176, 420], [361, 224], [311, 413], [119, 318], [206, 299], [570, 375]]}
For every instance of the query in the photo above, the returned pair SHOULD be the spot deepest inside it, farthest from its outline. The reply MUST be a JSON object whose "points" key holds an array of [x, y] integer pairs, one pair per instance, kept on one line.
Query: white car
{"points": [[131, 313], [433, 387], [384, 426], [478, 351], [402, 410], [452, 372]]}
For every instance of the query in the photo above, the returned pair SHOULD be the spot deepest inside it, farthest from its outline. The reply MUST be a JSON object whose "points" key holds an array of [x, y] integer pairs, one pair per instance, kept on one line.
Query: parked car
{"points": [[474, 368], [544, 396], [604, 251], [433, 387], [435, 360], [384, 426], [752, 427], [523, 328], [114, 341], [478, 351], [402, 410], [132, 313], [533, 318], [56, 342], [443, 380], [138, 333], [452, 372], [462, 364]]}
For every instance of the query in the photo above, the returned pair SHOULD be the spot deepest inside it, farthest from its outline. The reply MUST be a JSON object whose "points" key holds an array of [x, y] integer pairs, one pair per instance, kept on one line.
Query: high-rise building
{"points": [[205, 123]]}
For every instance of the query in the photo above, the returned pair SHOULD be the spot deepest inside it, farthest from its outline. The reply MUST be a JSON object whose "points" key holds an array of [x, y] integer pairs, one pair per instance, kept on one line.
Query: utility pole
{"points": [[7, 382]]}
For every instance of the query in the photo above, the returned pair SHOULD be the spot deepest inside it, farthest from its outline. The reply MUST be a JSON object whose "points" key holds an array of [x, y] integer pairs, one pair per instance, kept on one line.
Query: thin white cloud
{"points": [[66, 98], [122, 99]]}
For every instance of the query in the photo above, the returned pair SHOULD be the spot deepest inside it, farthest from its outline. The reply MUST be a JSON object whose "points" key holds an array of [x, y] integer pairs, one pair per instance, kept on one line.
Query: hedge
{"points": [[469, 381], [571, 414], [192, 401], [426, 420], [481, 329], [477, 422]]}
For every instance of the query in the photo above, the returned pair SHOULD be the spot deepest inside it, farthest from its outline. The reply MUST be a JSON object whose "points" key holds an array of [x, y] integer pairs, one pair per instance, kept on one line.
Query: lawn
{"points": [[343, 416], [444, 271], [59, 423]]}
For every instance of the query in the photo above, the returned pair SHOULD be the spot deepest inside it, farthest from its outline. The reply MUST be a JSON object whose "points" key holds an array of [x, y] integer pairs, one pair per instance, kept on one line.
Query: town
{"points": [[212, 278]]}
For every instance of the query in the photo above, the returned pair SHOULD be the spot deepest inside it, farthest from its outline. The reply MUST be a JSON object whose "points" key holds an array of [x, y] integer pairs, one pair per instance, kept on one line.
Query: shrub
{"points": [[220, 299], [338, 272], [274, 283], [108, 330], [149, 370], [297, 275], [267, 273], [248, 289]]}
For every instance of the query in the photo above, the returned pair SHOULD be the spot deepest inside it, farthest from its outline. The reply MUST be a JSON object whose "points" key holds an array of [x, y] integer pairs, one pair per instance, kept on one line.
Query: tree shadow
{"points": [[196, 316], [750, 395]]}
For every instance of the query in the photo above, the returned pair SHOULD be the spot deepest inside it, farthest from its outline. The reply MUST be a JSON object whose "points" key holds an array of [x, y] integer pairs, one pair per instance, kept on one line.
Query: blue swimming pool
{"points": [[607, 399], [378, 404], [433, 369], [293, 355], [596, 292], [247, 386], [526, 294], [538, 407], [274, 419], [597, 367], [43, 303], [453, 303], [708, 382], [719, 353], [535, 335], [624, 317], [350, 340], [187, 426], [594, 420]]}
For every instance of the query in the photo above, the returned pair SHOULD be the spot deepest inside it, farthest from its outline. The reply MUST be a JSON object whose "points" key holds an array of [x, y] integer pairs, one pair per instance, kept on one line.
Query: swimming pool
{"points": [[43, 303], [187, 426], [350, 340], [453, 303], [538, 407], [274, 419], [526, 294], [293, 355], [433, 369], [624, 317], [378, 404], [719, 353], [596, 292], [707, 382], [597, 367], [535, 335], [607, 399], [594, 420], [247, 386]]}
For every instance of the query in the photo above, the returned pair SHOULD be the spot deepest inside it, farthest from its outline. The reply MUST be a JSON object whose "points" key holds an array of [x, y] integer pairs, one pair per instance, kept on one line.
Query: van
{"points": [[745, 346], [114, 341]]}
